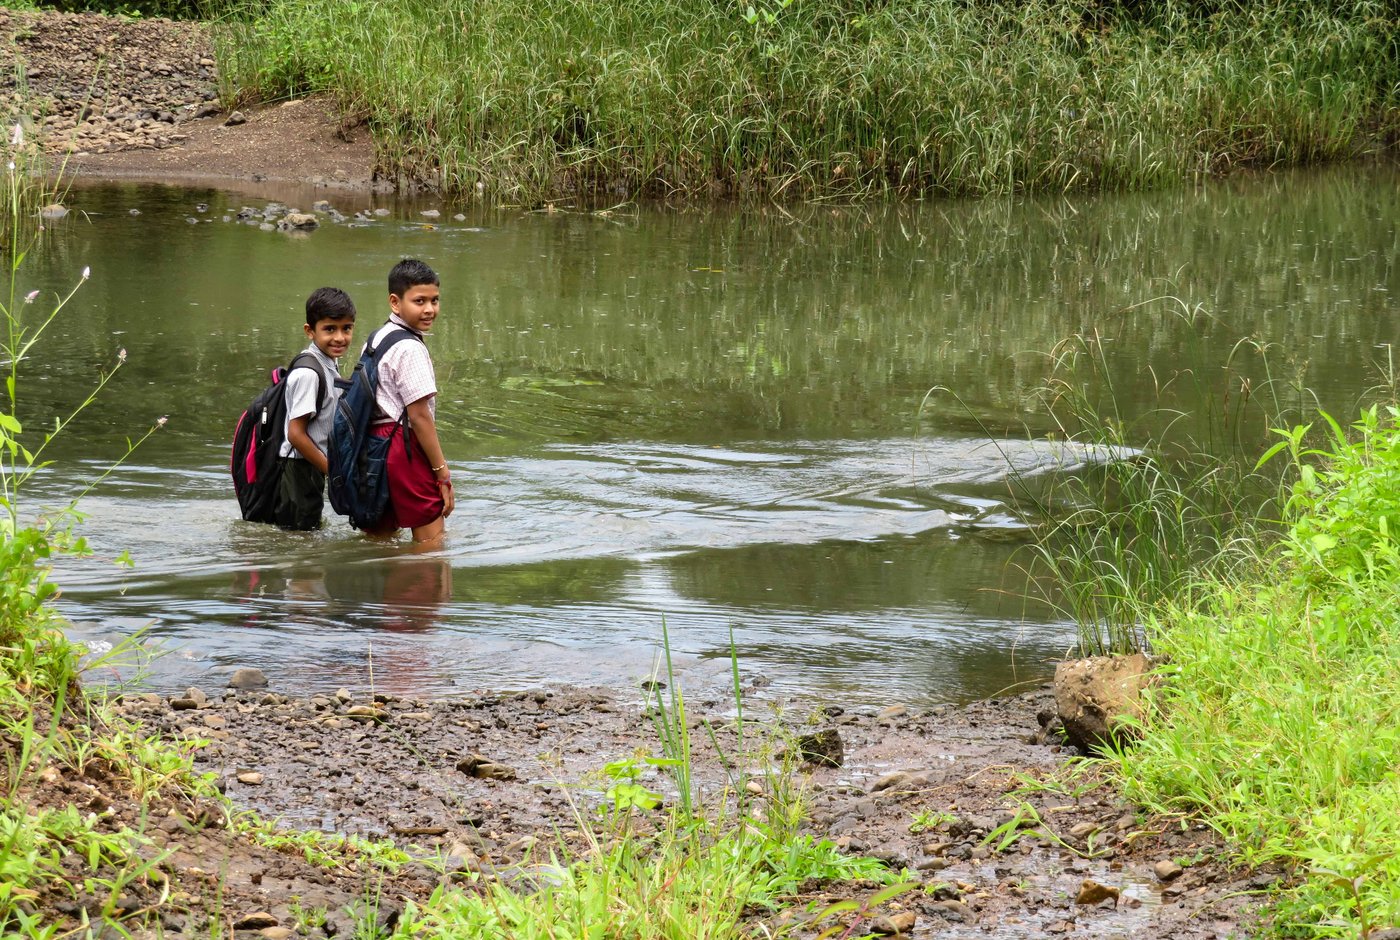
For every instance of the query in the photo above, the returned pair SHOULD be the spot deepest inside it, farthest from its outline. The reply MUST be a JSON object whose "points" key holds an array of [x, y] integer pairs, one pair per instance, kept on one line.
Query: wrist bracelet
{"points": [[436, 469]]}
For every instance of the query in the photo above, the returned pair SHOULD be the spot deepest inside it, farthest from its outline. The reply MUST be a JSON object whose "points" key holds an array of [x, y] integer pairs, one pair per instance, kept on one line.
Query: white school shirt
{"points": [[405, 374], [301, 401]]}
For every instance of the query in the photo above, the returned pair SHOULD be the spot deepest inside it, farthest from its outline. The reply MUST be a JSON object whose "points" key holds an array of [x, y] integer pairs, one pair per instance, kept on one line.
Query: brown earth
{"points": [[111, 98], [1002, 840]]}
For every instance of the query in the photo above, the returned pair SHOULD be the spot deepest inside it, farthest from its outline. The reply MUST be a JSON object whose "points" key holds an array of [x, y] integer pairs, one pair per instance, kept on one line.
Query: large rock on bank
{"points": [[1098, 698]]}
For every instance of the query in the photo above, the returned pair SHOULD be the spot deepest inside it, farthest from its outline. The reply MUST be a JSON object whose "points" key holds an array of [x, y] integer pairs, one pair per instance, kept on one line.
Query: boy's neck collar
{"points": [[395, 319]]}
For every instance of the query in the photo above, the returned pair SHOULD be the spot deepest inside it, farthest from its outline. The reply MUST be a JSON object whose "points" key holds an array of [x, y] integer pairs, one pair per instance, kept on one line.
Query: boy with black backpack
{"points": [[387, 469], [311, 396]]}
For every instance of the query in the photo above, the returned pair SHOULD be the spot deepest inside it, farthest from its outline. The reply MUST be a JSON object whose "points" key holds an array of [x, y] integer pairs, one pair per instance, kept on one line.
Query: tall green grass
{"points": [[825, 98], [1277, 717]]}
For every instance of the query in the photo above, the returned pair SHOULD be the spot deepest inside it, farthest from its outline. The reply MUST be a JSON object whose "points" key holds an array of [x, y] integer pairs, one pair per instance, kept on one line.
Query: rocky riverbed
{"points": [[973, 802], [89, 83], [115, 98]]}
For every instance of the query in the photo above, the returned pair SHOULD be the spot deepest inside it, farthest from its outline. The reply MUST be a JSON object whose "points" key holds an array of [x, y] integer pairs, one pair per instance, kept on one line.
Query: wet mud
{"points": [[976, 803]]}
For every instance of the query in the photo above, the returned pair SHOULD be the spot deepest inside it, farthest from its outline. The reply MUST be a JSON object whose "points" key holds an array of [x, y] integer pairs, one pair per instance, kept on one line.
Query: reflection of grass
{"points": [[821, 98], [1128, 532]]}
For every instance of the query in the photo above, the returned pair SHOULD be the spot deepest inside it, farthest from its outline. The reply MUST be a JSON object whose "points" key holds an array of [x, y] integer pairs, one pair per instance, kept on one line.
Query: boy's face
{"points": [[332, 337], [418, 307]]}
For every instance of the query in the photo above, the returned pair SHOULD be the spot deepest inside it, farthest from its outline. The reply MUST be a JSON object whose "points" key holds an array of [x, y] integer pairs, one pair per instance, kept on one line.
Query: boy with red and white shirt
{"points": [[420, 483]]}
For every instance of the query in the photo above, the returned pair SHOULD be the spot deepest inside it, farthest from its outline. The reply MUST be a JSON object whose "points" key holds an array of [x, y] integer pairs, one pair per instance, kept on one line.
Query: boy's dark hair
{"points": [[410, 272], [328, 303]]}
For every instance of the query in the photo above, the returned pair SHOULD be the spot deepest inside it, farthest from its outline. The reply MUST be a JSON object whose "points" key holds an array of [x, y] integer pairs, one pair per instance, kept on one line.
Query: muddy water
{"points": [[793, 428]]}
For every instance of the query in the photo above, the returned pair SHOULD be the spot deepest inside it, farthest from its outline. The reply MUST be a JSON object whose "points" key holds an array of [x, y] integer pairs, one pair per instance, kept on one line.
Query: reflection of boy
{"points": [[420, 485], [330, 319]]}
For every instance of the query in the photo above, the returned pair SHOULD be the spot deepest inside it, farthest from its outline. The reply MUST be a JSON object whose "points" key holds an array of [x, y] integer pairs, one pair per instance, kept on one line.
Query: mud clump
{"points": [[1099, 700]]}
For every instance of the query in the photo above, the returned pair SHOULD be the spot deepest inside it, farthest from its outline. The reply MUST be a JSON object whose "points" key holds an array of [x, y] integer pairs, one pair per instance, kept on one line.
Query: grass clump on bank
{"points": [[825, 98], [1170, 488], [1276, 717]]}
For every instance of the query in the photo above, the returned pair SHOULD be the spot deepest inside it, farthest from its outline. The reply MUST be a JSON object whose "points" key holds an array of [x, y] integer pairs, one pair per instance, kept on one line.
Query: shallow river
{"points": [[798, 429]]}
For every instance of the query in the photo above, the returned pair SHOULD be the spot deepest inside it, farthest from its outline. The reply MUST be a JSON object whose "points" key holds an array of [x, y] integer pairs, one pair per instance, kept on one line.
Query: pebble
{"points": [[257, 920], [235, 119], [1092, 892], [1167, 870], [252, 778], [903, 922], [899, 779]]}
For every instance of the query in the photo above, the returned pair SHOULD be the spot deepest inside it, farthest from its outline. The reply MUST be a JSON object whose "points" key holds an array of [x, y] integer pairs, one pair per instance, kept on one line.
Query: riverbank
{"points": [[113, 98], [998, 840], [787, 102]]}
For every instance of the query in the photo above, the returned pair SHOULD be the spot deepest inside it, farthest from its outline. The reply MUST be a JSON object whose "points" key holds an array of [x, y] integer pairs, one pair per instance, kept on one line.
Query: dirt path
{"points": [[111, 98]]}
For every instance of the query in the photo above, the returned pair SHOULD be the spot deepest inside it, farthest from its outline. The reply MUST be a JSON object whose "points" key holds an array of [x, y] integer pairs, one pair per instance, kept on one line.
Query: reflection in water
{"points": [[726, 419]]}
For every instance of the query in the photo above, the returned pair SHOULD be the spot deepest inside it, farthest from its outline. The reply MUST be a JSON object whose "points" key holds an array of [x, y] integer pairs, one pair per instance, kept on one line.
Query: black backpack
{"points": [[255, 465], [357, 483]]}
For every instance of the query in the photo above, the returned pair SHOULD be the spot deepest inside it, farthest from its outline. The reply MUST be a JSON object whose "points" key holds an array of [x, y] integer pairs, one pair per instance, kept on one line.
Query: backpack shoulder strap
{"points": [[305, 360], [389, 340]]}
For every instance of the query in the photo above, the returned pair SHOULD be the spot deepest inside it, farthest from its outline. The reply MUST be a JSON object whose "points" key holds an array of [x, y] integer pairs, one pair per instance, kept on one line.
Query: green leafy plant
{"points": [[929, 820], [626, 790], [1297, 646]]}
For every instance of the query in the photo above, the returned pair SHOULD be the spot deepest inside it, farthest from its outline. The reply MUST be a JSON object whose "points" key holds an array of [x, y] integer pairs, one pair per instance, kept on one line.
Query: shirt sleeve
{"points": [[301, 393]]}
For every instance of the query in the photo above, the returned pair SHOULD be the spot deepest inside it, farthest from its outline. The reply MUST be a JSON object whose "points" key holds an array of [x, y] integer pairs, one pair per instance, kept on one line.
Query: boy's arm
{"points": [[420, 416], [298, 438]]}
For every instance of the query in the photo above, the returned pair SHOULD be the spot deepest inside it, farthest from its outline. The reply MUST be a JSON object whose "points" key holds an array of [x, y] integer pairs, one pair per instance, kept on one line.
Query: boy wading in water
{"points": [[420, 485], [330, 320]]}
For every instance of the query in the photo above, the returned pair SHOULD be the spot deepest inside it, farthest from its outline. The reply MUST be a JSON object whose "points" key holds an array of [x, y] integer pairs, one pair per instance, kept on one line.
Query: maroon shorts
{"points": [[414, 497]]}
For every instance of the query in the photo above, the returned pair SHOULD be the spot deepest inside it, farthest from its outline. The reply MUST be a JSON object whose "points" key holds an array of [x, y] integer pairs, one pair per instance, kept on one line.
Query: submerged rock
{"points": [[247, 678], [304, 221]]}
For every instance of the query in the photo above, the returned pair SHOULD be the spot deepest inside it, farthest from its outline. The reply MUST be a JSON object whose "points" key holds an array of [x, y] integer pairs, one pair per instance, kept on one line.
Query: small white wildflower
{"points": [[160, 422], [121, 354], [87, 271], [17, 137], [12, 166], [29, 297]]}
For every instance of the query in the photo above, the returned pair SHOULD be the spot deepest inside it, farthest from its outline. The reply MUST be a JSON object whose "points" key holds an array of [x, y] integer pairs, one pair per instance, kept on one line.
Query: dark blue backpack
{"points": [[257, 439], [357, 483]]}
